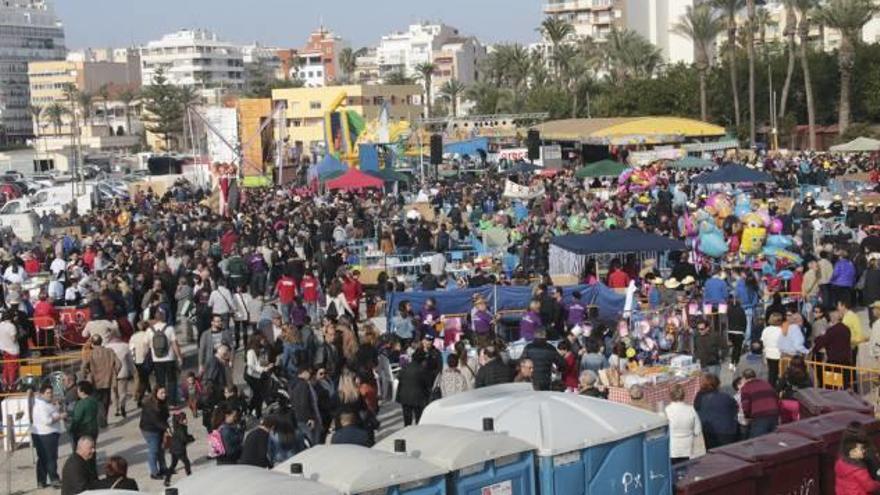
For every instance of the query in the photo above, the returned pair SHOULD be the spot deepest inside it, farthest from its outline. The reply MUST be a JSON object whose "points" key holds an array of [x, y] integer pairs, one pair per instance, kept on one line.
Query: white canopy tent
{"points": [[554, 422], [857, 145]]}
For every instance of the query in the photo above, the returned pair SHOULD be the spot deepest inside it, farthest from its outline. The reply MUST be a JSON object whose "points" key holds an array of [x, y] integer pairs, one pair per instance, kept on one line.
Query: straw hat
{"points": [[688, 280], [875, 304], [657, 281], [672, 284]]}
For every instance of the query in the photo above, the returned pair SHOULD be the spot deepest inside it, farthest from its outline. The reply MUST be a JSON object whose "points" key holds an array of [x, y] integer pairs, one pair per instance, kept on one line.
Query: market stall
{"points": [[569, 253], [733, 173]]}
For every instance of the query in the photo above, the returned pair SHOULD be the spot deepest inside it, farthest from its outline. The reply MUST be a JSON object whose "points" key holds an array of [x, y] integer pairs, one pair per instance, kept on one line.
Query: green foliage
{"points": [[165, 107]]}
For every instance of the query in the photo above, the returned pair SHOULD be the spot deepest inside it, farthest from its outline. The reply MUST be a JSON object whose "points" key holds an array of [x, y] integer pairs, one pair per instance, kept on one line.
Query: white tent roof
{"points": [[454, 448], [238, 480], [554, 422], [858, 144], [355, 469]]}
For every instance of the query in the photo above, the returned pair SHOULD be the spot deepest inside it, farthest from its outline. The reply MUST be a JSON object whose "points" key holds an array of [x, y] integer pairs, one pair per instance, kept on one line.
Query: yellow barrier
{"points": [[40, 367], [864, 381]]}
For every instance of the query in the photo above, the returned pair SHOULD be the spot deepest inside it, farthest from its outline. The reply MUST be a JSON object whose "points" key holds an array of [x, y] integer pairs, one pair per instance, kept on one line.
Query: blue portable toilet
{"points": [[585, 446], [478, 461], [237, 480], [352, 469]]}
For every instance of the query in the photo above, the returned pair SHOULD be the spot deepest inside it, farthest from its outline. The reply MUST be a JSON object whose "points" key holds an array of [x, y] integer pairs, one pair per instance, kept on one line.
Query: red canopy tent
{"points": [[355, 179]]}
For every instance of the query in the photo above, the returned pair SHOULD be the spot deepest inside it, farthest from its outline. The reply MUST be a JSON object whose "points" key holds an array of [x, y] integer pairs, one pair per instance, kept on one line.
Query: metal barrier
{"points": [[863, 381], [31, 371]]}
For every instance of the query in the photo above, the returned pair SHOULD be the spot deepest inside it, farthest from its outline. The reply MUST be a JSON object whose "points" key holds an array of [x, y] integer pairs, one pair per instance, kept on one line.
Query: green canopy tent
{"points": [[604, 168], [692, 163], [389, 175]]}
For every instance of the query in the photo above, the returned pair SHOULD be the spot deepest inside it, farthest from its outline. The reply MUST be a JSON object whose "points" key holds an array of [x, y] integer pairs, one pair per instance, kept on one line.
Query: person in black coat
{"points": [[494, 370], [544, 358], [413, 389], [180, 438], [78, 475], [432, 360], [717, 411], [117, 478], [255, 451], [350, 433]]}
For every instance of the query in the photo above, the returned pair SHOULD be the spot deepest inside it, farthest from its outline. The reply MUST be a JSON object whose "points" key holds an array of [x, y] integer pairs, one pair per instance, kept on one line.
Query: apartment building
{"points": [[194, 57]]}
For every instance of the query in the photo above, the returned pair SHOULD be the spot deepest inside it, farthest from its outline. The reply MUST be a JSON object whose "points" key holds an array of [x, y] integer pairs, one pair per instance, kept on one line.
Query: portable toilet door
{"points": [[238, 480], [352, 469], [585, 446], [479, 462]]}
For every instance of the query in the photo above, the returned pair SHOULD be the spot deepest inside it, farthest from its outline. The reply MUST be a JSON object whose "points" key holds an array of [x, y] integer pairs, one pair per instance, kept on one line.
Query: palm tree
{"points": [[55, 113], [36, 112], [701, 25], [790, 36], [750, 50], [730, 8], [348, 62], [804, 8], [398, 78], [556, 30], [488, 98], [451, 90], [627, 55], [85, 100], [127, 96], [848, 17], [425, 72], [104, 94]]}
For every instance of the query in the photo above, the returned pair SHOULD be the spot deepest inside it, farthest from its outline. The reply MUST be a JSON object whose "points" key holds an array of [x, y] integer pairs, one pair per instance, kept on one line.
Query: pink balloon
{"points": [[776, 226]]}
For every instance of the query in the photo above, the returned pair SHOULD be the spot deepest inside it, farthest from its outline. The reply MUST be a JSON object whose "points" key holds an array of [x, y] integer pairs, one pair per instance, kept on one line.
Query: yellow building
{"points": [[256, 150], [307, 107]]}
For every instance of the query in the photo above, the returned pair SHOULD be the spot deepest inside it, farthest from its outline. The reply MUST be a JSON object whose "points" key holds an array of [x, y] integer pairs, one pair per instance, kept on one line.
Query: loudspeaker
{"points": [[533, 141], [436, 149]]}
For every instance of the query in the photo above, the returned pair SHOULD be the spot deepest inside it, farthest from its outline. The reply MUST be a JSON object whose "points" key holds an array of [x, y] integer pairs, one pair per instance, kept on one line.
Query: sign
{"points": [[517, 191], [551, 156], [503, 488], [73, 320], [513, 154], [17, 407], [647, 157]]}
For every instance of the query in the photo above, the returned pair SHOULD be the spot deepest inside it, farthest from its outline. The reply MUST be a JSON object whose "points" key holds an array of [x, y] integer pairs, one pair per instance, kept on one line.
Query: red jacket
{"points": [[310, 289], [759, 400], [353, 291], [850, 479], [32, 266], [286, 289], [618, 279], [228, 241]]}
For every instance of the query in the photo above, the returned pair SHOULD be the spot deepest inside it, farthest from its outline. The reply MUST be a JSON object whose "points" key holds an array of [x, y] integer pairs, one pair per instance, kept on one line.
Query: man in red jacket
{"points": [[285, 288], [760, 404], [310, 288], [353, 290]]}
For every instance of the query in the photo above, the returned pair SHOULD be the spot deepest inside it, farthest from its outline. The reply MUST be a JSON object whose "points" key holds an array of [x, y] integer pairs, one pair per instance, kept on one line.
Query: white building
{"points": [[403, 51], [29, 32], [194, 57], [591, 18], [654, 19]]}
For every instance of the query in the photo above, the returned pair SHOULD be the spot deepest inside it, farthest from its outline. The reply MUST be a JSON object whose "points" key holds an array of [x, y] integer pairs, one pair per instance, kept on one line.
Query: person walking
{"points": [[684, 426], [256, 372], [230, 434], [413, 389], [179, 440], [46, 424], [84, 421], [493, 370], [545, 359], [164, 353], [760, 404], [79, 473], [304, 401], [255, 451], [451, 380], [209, 341], [139, 346], [102, 367], [123, 377], [153, 425], [717, 411], [770, 337], [709, 348]]}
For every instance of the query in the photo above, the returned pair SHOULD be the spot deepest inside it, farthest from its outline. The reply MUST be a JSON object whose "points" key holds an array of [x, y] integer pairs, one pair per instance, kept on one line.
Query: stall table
{"points": [[657, 394]]}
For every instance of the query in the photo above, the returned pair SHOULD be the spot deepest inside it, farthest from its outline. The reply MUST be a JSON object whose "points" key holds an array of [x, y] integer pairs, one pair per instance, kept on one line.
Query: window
{"points": [[315, 105]]}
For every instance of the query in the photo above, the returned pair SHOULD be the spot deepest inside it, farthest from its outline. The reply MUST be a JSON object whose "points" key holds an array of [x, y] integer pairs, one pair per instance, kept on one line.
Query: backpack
{"points": [[215, 445], [160, 344], [332, 310]]}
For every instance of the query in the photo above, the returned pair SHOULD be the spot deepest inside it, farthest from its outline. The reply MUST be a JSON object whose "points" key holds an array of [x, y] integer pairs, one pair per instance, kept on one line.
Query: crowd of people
{"points": [[276, 284]]}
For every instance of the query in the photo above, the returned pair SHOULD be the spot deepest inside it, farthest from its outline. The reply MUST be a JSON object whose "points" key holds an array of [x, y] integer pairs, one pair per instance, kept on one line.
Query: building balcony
{"points": [[551, 8]]}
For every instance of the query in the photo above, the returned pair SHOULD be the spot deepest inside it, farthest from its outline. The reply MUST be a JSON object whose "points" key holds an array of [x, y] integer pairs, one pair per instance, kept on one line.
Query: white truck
{"points": [[25, 226], [50, 200]]}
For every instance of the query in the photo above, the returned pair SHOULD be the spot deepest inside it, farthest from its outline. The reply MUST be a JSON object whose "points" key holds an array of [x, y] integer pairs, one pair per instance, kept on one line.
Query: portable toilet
{"points": [[478, 461], [237, 480], [584, 445], [352, 469]]}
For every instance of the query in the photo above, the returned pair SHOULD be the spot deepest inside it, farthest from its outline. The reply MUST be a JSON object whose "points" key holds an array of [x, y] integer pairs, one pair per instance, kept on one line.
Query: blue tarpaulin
{"points": [[468, 147], [460, 301], [328, 166], [616, 241], [733, 173]]}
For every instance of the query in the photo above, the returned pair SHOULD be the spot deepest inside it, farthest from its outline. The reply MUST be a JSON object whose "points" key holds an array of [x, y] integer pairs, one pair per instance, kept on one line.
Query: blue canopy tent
{"points": [[733, 173], [568, 253], [327, 167], [500, 297], [469, 147], [522, 168]]}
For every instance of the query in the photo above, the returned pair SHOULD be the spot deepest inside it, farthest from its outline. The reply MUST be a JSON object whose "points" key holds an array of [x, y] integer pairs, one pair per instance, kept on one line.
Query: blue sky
{"points": [[103, 23]]}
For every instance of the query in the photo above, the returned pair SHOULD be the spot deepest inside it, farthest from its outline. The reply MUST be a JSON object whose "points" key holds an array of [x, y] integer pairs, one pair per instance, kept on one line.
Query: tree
{"points": [[348, 62], [488, 98], [556, 30], [85, 101], [848, 17], [451, 91], [627, 55], [104, 94], [730, 8], [701, 25], [750, 50], [804, 7], [163, 112], [398, 78], [55, 114], [425, 72], [790, 34], [127, 96]]}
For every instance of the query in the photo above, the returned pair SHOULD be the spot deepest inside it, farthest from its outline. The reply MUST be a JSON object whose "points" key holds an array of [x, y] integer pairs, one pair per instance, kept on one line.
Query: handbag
{"points": [[166, 440]]}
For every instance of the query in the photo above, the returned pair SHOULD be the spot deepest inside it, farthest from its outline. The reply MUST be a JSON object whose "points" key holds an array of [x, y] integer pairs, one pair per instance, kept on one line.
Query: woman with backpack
{"points": [[293, 352], [226, 440], [153, 425]]}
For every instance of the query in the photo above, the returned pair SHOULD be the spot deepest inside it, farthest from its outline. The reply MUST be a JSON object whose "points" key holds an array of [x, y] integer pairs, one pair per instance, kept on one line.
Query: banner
{"points": [[517, 191]]}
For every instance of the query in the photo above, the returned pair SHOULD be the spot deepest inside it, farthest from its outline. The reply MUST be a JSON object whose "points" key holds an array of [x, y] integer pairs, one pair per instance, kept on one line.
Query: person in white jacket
{"points": [[685, 432]]}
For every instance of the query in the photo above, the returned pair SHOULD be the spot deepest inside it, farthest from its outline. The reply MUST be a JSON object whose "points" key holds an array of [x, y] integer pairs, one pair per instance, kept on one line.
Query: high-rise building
{"points": [[194, 57], [29, 31], [403, 51], [591, 18], [318, 62]]}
